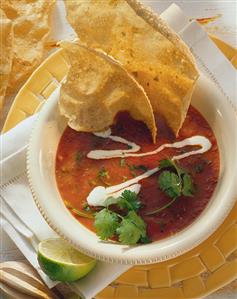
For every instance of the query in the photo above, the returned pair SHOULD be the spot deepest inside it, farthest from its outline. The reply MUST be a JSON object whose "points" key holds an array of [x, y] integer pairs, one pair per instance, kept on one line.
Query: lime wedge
{"points": [[60, 261]]}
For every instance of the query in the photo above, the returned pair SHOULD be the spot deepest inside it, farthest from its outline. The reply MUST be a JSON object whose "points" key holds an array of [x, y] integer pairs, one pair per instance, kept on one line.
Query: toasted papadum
{"points": [[6, 54], [145, 46], [97, 88], [31, 28]]}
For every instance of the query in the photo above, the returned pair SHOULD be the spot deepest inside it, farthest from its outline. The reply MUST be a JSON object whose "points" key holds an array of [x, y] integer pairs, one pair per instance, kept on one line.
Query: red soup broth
{"points": [[77, 175]]}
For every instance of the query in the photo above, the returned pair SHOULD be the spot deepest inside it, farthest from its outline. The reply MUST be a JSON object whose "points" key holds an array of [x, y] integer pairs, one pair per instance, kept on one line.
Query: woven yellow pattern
{"points": [[195, 274]]}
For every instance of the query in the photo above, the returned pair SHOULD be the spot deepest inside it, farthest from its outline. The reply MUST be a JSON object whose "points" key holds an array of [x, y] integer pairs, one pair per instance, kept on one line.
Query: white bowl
{"points": [[221, 115]]}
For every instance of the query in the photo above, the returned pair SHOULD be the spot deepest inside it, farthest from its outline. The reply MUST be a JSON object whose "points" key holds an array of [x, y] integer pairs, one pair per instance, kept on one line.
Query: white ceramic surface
{"points": [[222, 117]]}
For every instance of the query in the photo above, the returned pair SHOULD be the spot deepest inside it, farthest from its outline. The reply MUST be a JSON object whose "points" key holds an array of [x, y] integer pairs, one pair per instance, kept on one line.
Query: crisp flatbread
{"points": [[6, 54], [31, 28], [97, 88], [145, 46]]}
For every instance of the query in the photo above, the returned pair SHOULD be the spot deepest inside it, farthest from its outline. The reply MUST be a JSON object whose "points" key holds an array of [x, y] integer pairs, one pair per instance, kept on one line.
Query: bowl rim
{"points": [[111, 257]]}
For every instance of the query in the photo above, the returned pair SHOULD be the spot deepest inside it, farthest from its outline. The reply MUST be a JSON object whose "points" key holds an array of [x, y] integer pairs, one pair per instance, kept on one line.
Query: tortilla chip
{"points": [[97, 88], [145, 46], [6, 38], [31, 29]]}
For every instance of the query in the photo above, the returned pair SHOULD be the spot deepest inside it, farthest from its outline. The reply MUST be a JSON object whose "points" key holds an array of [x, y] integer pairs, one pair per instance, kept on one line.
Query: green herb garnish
{"points": [[145, 240], [188, 188], [170, 183], [103, 174], [140, 167], [86, 207], [106, 223], [78, 212], [175, 182], [79, 156], [129, 200], [201, 165], [130, 228], [133, 168]]}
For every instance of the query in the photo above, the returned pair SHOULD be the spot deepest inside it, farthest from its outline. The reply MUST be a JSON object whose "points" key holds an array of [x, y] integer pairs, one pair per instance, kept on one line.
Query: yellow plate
{"points": [[195, 274]]}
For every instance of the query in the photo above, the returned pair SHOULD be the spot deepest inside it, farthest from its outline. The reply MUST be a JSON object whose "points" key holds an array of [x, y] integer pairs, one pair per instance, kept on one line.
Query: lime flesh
{"points": [[60, 261]]}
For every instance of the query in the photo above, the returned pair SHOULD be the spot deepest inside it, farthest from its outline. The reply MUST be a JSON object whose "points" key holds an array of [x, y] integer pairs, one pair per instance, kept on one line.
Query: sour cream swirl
{"points": [[99, 194]]}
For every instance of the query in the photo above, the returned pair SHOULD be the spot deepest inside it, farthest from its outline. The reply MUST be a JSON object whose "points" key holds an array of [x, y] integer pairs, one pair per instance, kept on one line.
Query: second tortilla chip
{"points": [[145, 46], [31, 29]]}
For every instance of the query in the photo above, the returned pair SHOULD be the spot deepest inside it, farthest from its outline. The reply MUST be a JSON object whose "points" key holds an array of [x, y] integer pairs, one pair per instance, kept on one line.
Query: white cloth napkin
{"points": [[22, 221], [20, 218]]}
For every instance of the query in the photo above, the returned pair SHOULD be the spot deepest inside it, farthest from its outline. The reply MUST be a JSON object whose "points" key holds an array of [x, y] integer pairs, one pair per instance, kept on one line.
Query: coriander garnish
{"points": [[103, 174], [201, 165], [140, 167], [133, 168], [130, 229], [78, 212], [106, 223], [79, 156], [174, 181]]}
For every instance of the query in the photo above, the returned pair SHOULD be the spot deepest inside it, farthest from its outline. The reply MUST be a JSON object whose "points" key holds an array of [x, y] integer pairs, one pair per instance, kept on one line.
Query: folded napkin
{"points": [[20, 218]]}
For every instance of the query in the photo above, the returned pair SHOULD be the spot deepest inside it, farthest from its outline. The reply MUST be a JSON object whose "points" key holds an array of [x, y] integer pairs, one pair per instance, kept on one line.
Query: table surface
{"points": [[218, 18]]}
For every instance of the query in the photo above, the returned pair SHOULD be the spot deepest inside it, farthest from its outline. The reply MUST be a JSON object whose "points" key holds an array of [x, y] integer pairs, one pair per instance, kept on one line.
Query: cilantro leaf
{"points": [[129, 200], [188, 188], [166, 163], [103, 176], [78, 212], [133, 168], [174, 182], [131, 229], [111, 201], [128, 233], [145, 240], [138, 221], [103, 173], [140, 167], [170, 183], [106, 223], [199, 168], [79, 156]]}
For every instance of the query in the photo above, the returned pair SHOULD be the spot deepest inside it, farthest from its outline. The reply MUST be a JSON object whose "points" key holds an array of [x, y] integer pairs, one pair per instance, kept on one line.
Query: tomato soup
{"points": [[77, 175]]}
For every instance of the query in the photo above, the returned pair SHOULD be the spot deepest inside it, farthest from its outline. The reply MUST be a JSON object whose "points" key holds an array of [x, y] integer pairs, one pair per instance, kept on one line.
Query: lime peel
{"points": [[61, 262]]}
